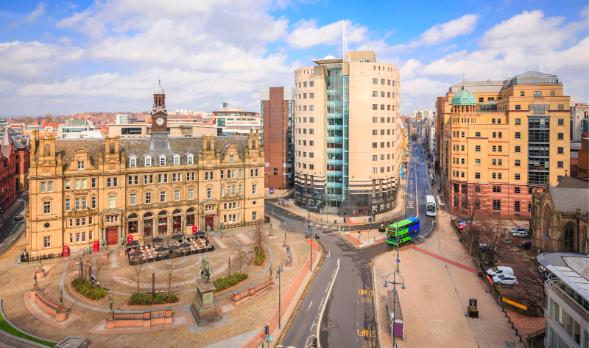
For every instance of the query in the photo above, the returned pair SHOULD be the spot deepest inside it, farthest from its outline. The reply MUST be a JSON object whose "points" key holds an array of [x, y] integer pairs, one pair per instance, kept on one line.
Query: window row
{"points": [[304, 130], [304, 165], [382, 94], [304, 108], [80, 237], [311, 154], [389, 156], [382, 144], [382, 169], [304, 120], [304, 96], [304, 84], [79, 222], [304, 142], [382, 81], [382, 120], [147, 160], [382, 107]]}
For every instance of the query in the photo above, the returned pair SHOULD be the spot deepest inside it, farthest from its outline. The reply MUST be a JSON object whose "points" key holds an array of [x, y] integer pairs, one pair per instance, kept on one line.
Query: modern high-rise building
{"points": [[347, 132], [497, 145], [579, 120], [567, 296], [277, 108]]}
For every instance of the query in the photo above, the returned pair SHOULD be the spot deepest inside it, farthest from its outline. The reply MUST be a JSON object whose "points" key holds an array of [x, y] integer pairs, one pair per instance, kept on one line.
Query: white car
{"points": [[522, 234], [518, 229], [507, 279], [495, 271]]}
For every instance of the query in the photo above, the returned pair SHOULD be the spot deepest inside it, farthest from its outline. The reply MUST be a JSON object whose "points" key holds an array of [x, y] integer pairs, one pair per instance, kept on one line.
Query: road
{"points": [[10, 230], [339, 305]]}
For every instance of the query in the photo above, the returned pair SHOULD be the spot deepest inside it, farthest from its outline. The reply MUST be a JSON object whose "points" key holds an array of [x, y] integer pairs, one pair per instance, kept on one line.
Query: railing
{"points": [[29, 258], [145, 318], [566, 296]]}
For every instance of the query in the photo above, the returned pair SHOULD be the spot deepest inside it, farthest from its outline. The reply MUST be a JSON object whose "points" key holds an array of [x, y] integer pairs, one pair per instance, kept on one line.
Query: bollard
{"points": [[516, 332]]}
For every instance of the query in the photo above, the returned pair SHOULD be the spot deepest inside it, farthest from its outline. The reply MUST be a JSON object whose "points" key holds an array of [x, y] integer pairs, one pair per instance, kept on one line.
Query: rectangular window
{"points": [[43, 186], [375, 120], [147, 197], [560, 136], [496, 204], [477, 148], [516, 190], [209, 193], [561, 123], [537, 94], [517, 176], [517, 163], [518, 107], [496, 188], [177, 195], [190, 194], [518, 121], [517, 149], [162, 196], [561, 150], [560, 164], [133, 198], [375, 81], [374, 106], [518, 135], [112, 201], [477, 175], [477, 161], [47, 242], [516, 206]]}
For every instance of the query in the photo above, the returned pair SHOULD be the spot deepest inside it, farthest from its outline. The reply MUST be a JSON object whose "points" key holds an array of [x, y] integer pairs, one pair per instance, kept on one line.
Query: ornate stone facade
{"points": [[86, 190]]}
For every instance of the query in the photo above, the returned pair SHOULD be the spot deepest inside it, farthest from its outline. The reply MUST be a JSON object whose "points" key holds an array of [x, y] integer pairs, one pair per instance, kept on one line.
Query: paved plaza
{"points": [[238, 324], [440, 279]]}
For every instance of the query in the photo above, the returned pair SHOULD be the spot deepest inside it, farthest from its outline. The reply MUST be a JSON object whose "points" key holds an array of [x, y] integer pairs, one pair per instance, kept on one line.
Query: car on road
{"points": [[19, 218], [518, 229], [525, 245], [484, 247], [495, 271], [521, 234], [507, 279]]}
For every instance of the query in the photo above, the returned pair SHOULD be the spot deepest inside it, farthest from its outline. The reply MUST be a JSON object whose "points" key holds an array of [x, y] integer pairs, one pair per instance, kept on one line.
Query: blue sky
{"points": [[76, 56]]}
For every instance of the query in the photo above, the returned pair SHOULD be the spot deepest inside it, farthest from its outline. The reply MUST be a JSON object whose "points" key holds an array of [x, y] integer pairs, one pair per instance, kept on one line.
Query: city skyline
{"points": [[64, 57]]}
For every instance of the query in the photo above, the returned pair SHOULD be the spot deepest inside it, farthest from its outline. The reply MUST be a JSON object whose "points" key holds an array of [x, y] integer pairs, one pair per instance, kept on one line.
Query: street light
{"points": [[398, 259], [280, 270], [394, 282]]}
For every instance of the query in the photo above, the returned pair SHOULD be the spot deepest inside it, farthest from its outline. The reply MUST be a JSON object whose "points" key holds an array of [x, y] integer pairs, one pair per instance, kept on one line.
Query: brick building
{"points": [[277, 106], [7, 170]]}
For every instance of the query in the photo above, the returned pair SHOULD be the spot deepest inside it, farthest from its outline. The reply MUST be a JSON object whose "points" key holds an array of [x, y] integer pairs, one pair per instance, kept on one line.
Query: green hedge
{"points": [[6, 327], [260, 256], [88, 289], [227, 282], [146, 299]]}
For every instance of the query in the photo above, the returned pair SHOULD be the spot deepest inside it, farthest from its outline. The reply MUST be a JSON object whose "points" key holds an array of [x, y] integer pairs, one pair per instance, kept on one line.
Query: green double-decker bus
{"points": [[406, 229]]}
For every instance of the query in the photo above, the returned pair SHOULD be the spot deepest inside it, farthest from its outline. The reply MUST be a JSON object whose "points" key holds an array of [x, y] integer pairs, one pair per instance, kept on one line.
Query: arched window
{"points": [[568, 241], [547, 225]]}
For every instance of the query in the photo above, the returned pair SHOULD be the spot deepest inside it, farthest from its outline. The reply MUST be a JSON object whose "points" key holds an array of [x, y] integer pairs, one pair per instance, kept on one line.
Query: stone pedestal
{"points": [[40, 272], [203, 308]]}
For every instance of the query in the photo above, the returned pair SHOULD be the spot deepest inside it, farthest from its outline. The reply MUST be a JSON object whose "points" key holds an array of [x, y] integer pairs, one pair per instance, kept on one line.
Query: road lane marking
{"points": [[329, 292], [327, 286], [309, 306]]}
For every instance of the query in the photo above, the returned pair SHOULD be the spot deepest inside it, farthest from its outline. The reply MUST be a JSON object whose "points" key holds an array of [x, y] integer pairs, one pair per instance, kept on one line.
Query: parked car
{"points": [[525, 245], [19, 218], [484, 247], [495, 271], [521, 234], [507, 279], [518, 229], [462, 224]]}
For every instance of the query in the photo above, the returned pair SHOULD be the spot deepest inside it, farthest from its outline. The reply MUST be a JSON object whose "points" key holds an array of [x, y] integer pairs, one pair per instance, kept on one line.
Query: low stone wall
{"points": [[250, 293], [56, 310], [147, 318], [14, 341]]}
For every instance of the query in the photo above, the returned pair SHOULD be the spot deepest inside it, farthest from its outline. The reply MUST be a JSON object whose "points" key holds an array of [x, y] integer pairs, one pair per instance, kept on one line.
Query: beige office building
{"points": [[347, 134], [87, 190], [503, 141]]}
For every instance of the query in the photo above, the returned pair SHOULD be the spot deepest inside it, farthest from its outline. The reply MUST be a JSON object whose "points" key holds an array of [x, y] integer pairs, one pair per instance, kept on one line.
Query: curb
{"points": [[296, 310], [16, 327]]}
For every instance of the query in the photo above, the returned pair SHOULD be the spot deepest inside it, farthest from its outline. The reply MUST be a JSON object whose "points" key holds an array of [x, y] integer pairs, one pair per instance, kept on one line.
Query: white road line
{"points": [[328, 253], [322, 309], [327, 286], [309, 306]]}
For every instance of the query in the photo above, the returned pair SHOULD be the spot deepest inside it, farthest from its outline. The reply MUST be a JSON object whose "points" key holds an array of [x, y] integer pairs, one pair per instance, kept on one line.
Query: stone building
{"points": [[347, 134], [560, 216], [8, 171], [85, 190]]}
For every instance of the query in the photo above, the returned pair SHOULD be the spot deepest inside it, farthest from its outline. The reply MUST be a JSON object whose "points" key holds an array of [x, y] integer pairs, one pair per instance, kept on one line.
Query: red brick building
{"points": [[7, 171], [277, 106]]}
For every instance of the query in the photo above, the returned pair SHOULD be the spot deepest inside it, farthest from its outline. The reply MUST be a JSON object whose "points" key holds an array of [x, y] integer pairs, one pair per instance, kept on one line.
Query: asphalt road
{"points": [[339, 306], [10, 230]]}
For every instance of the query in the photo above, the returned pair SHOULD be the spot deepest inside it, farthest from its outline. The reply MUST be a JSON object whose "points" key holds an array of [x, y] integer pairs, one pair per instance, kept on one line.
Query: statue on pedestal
{"points": [[35, 277], [205, 269]]}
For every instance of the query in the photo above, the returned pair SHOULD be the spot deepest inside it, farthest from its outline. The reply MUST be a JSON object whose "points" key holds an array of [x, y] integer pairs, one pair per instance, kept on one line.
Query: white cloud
{"points": [[37, 12], [306, 34], [440, 33], [33, 60]]}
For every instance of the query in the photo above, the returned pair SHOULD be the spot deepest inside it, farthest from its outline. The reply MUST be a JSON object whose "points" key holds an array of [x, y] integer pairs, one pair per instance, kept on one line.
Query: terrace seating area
{"points": [[160, 249]]}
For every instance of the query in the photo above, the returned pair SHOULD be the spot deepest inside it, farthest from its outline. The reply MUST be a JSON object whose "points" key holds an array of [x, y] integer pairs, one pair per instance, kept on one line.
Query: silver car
{"points": [[507, 279], [495, 271]]}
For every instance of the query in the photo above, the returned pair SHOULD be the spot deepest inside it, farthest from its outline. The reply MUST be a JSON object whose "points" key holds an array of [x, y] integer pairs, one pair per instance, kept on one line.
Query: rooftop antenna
{"points": [[462, 81], [345, 42]]}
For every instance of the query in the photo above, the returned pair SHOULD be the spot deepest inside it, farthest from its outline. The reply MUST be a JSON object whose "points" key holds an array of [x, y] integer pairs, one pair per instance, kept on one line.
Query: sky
{"points": [[64, 57]]}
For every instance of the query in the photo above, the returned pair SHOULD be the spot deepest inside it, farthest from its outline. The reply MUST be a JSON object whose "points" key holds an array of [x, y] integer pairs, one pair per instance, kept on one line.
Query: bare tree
{"points": [[490, 232], [100, 265], [169, 266], [137, 269], [533, 288], [259, 234], [82, 259], [472, 205]]}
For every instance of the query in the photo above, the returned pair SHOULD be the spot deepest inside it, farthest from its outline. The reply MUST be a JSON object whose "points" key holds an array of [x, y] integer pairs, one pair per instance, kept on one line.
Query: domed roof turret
{"points": [[159, 89], [464, 97]]}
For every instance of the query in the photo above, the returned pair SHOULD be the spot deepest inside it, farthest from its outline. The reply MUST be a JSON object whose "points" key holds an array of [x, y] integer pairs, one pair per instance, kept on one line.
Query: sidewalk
{"points": [[336, 220], [364, 238], [439, 280]]}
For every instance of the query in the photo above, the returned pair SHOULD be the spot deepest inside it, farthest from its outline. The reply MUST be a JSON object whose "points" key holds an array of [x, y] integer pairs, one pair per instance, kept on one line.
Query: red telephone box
{"points": [[194, 229], [66, 251], [129, 238], [95, 247]]}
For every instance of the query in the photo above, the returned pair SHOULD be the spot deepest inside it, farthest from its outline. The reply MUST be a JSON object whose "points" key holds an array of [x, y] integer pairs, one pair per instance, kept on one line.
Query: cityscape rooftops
{"points": [[532, 78], [464, 97]]}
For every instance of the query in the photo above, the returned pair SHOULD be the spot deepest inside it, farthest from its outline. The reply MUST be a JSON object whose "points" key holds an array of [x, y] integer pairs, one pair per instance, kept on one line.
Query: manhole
{"points": [[333, 324]]}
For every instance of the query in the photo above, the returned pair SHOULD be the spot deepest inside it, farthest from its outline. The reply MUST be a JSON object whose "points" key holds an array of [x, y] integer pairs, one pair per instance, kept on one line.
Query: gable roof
{"points": [[569, 199], [568, 182]]}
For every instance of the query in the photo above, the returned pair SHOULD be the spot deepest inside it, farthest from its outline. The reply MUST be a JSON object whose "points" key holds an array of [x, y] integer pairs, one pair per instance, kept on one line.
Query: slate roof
{"points": [[140, 147], [569, 199], [19, 140], [568, 182]]}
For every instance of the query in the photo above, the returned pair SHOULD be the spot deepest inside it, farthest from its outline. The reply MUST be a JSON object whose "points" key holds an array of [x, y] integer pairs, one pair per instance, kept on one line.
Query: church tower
{"points": [[159, 121]]}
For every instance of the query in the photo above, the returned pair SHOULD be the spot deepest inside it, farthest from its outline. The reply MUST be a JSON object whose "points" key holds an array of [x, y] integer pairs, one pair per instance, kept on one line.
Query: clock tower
{"points": [[159, 121]]}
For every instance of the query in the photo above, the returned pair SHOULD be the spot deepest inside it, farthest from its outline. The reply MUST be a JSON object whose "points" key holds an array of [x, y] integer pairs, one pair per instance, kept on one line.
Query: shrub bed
{"points": [[227, 282], [260, 256], [143, 298], [90, 290]]}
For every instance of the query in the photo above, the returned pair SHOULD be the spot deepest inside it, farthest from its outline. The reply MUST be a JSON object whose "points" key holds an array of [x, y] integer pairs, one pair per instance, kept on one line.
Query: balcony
{"points": [[580, 308], [335, 162], [335, 140], [335, 150], [335, 127], [335, 185], [335, 116], [333, 173]]}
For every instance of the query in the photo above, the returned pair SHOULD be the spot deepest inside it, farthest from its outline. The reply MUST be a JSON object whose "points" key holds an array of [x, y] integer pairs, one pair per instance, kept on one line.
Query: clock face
{"points": [[159, 121]]}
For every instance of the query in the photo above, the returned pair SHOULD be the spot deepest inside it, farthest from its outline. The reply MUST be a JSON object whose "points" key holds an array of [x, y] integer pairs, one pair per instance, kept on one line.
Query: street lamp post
{"points": [[398, 259], [394, 282], [278, 272]]}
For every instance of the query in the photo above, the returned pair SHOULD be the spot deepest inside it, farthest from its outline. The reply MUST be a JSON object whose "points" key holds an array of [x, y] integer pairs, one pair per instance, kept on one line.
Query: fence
{"points": [[30, 258], [170, 255], [147, 318]]}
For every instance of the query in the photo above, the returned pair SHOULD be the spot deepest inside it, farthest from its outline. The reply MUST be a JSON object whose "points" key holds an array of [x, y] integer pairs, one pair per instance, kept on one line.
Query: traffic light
{"points": [[315, 342], [267, 331]]}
